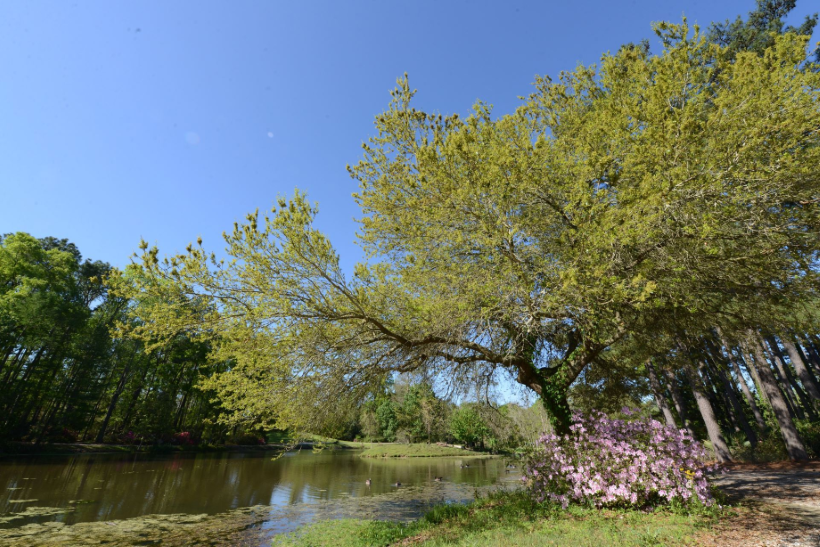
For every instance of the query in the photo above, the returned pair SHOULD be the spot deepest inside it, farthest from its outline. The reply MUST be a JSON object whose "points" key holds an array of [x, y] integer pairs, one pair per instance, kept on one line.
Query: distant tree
{"points": [[387, 419], [467, 425], [757, 33], [421, 414]]}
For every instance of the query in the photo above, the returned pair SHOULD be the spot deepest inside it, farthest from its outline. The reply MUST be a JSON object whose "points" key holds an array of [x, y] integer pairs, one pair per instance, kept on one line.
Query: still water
{"points": [[41, 496]]}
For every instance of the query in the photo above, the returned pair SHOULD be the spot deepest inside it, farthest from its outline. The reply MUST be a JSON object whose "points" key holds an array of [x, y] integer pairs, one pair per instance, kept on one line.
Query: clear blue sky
{"points": [[169, 120]]}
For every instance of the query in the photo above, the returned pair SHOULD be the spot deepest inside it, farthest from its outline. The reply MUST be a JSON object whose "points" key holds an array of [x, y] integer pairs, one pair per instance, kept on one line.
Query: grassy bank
{"points": [[421, 450], [504, 520], [376, 450], [275, 441]]}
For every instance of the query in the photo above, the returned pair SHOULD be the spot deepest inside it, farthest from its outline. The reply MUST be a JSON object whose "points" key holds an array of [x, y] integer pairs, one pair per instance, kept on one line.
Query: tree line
{"points": [[65, 372]]}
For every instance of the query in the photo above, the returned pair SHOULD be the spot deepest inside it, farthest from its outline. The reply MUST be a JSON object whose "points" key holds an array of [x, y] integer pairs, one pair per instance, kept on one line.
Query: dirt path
{"points": [[780, 505]]}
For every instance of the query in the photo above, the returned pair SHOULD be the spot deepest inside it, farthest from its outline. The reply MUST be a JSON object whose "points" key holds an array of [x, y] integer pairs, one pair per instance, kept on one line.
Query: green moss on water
{"points": [[29, 513], [169, 530]]}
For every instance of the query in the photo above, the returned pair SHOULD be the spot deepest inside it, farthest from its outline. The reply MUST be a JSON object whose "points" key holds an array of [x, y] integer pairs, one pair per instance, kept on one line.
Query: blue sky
{"points": [[172, 120]]}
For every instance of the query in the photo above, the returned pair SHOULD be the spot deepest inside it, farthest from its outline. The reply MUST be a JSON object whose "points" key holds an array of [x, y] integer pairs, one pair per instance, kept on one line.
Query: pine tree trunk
{"points": [[706, 411], [785, 371], [750, 398], [794, 409], [794, 445], [749, 363], [803, 372], [720, 405], [677, 400], [657, 390], [807, 357], [740, 415], [814, 355]]}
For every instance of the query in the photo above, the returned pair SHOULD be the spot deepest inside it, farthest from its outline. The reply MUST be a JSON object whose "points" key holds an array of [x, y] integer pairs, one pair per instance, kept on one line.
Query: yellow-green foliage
{"points": [[614, 200]]}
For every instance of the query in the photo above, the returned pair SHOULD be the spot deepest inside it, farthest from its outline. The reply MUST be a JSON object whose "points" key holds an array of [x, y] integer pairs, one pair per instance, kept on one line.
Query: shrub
{"points": [[770, 448], [810, 434], [611, 462], [63, 435], [183, 438], [249, 439], [127, 438]]}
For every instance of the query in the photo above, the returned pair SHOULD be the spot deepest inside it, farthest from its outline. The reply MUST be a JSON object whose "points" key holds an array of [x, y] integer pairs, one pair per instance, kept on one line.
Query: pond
{"points": [[221, 498]]}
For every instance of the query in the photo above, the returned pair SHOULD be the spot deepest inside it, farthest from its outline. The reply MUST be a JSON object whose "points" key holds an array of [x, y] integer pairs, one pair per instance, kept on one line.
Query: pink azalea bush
{"points": [[184, 438], [610, 462]]}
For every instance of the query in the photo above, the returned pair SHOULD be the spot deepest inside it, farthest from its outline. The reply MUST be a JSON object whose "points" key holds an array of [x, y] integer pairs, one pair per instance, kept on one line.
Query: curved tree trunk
{"points": [[552, 383]]}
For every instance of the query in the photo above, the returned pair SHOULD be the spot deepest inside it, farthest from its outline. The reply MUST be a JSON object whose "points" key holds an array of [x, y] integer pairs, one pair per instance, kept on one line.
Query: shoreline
{"points": [[20, 449]]}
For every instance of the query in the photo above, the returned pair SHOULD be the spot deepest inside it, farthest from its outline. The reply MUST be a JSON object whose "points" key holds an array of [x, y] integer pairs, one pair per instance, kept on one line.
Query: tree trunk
{"points": [[554, 399], [720, 405], [16, 365], [807, 357], [783, 384], [812, 352], [790, 437], [552, 385], [803, 372], [712, 428], [677, 400], [660, 399], [806, 407], [112, 405], [740, 415], [750, 398], [181, 412], [749, 362]]}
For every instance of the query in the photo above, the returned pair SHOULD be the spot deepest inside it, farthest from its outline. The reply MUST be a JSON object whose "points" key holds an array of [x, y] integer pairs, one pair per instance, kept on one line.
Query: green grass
{"points": [[420, 450], [287, 437], [373, 450], [508, 520]]}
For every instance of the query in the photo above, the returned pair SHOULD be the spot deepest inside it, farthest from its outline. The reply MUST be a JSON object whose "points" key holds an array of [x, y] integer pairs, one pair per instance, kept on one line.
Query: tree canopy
{"points": [[632, 199]]}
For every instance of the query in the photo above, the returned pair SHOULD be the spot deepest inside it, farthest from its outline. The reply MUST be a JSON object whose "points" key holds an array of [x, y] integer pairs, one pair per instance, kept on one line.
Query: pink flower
{"points": [[641, 463]]}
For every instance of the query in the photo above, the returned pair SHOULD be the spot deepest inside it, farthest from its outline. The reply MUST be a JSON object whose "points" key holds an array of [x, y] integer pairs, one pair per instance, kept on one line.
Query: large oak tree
{"points": [[649, 192]]}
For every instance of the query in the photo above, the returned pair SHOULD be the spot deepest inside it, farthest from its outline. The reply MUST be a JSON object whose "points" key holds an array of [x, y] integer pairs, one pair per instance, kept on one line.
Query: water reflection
{"points": [[111, 487]]}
